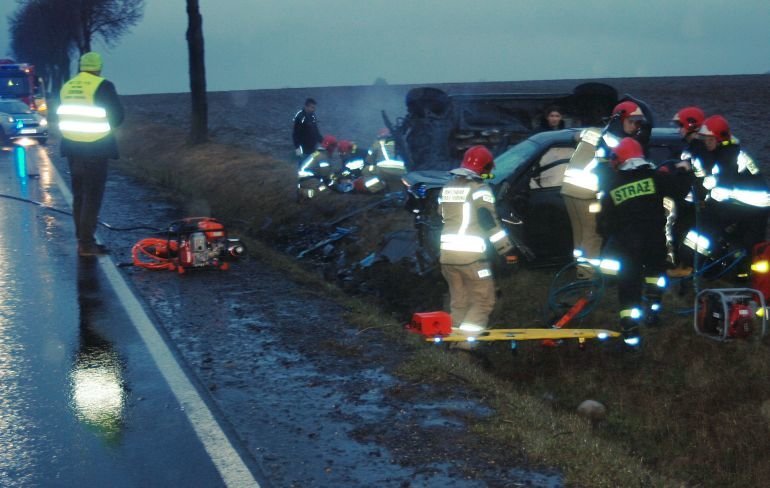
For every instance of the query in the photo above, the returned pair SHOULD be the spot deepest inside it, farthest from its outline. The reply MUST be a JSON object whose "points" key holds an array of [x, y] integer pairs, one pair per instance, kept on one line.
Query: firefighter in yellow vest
{"points": [[89, 112], [467, 207]]}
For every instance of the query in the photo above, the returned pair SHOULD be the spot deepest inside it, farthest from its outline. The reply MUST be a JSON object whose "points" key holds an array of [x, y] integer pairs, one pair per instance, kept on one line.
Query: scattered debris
{"points": [[338, 234]]}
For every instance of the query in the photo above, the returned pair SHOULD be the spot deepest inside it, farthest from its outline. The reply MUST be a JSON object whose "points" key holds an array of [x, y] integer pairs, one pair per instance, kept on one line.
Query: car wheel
{"points": [[4, 141], [43, 141]]}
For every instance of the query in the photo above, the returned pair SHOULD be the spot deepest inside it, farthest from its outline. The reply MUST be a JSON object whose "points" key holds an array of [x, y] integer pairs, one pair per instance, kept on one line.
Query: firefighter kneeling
{"points": [[470, 219], [632, 222], [316, 173]]}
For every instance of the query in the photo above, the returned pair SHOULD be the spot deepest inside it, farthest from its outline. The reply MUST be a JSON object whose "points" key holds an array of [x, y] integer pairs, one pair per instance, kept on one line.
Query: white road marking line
{"points": [[228, 462]]}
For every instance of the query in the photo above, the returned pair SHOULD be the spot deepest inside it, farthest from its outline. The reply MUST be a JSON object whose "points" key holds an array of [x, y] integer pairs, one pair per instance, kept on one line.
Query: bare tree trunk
{"points": [[199, 128]]}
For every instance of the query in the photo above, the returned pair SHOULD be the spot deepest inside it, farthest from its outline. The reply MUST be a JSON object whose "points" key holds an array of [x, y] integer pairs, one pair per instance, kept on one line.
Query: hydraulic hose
{"points": [[54, 209], [736, 255], [559, 295]]}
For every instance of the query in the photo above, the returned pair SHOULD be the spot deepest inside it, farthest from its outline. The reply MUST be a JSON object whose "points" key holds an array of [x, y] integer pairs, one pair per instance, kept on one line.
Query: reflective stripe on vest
{"points": [[463, 243], [79, 118]]}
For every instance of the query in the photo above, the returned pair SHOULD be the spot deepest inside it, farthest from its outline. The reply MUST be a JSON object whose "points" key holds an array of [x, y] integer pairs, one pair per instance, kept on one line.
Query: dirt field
{"points": [[262, 119]]}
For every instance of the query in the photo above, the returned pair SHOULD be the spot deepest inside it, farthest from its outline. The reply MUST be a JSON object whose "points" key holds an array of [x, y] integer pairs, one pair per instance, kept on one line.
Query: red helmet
{"points": [[691, 118], [628, 148], [627, 110], [345, 146], [479, 160], [716, 126], [383, 133], [329, 143]]}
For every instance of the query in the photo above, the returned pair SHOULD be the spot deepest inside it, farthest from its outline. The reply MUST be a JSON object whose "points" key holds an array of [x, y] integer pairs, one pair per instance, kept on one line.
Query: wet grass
{"points": [[685, 411]]}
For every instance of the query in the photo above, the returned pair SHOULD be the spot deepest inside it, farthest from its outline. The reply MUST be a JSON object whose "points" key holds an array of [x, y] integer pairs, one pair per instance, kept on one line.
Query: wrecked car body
{"points": [[527, 186], [438, 127]]}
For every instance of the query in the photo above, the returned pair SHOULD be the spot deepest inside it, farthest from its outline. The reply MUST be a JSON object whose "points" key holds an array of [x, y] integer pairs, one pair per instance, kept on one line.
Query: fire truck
{"points": [[18, 80]]}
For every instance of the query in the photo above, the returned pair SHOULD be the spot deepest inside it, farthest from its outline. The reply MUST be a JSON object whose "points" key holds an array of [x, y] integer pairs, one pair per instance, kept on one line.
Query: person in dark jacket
{"points": [[306, 135], [632, 222], [89, 112], [552, 119]]}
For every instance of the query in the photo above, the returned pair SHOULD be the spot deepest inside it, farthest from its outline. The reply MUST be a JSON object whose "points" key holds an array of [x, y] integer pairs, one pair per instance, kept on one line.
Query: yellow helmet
{"points": [[91, 61]]}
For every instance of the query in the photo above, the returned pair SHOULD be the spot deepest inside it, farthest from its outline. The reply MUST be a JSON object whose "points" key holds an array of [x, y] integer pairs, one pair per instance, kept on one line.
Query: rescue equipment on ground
{"points": [[190, 243], [437, 328], [730, 313]]}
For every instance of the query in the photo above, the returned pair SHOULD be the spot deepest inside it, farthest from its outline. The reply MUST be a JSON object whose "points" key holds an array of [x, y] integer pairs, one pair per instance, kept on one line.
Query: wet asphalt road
{"points": [[305, 399], [82, 402]]}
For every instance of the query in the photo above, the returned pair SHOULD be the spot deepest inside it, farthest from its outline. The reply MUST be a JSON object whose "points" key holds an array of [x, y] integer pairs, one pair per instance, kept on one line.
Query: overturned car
{"points": [[438, 127]]}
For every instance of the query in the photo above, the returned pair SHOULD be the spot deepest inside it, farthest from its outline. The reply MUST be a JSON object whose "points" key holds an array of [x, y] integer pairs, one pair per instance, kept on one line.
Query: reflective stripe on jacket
{"points": [[580, 180], [464, 236], [80, 119]]}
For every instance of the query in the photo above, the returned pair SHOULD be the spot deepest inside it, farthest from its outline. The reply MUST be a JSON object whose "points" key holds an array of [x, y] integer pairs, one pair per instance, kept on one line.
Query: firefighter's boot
{"points": [[629, 328], [654, 286]]}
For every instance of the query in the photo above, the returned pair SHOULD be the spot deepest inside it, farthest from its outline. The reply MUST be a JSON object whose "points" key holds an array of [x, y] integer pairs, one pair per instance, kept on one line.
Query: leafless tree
{"points": [[49, 33], [41, 34], [199, 127], [104, 19]]}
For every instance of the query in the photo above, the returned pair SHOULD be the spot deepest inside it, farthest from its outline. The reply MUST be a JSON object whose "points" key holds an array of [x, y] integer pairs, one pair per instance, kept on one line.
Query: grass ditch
{"points": [[685, 411]]}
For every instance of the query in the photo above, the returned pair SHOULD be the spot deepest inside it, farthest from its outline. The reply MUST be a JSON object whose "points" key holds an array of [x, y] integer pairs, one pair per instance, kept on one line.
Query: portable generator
{"points": [[730, 313], [191, 243]]}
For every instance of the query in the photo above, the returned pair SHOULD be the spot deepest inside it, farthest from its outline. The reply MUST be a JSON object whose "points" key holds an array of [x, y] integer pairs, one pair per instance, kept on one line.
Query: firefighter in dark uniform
{"points": [[317, 173], [682, 215], [735, 193], [630, 118], [306, 136], [89, 112], [467, 207], [632, 223]]}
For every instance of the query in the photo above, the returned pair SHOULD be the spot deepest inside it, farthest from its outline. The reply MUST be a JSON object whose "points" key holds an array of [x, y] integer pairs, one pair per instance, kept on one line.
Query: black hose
{"points": [[54, 209]]}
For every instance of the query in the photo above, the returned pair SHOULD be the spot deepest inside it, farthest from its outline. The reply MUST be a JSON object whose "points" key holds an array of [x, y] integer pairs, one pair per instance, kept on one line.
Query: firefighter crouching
{"points": [[382, 165], [632, 222], [316, 172], [353, 159], [467, 207]]}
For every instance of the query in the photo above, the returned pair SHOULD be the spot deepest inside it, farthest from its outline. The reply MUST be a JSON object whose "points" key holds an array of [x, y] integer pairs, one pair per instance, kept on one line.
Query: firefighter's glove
{"points": [[298, 151]]}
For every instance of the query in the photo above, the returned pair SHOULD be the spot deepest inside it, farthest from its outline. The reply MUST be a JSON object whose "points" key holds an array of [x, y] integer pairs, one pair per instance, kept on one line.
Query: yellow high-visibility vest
{"points": [[80, 119]]}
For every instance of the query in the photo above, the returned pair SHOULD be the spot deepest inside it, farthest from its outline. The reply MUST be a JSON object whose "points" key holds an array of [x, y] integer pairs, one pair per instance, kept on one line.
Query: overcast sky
{"points": [[253, 44]]}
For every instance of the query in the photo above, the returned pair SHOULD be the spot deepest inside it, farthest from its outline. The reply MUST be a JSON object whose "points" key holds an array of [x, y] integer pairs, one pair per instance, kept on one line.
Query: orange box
{"points": [[431, 323]]}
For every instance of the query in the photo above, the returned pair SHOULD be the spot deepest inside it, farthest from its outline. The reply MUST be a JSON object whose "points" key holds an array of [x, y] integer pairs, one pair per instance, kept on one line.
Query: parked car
{"points": [[18, 121], [527, 183]]}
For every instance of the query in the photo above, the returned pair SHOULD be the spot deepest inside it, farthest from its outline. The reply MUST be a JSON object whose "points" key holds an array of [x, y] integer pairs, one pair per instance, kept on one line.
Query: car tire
{"points": [[43, 141], [4, 141]]}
